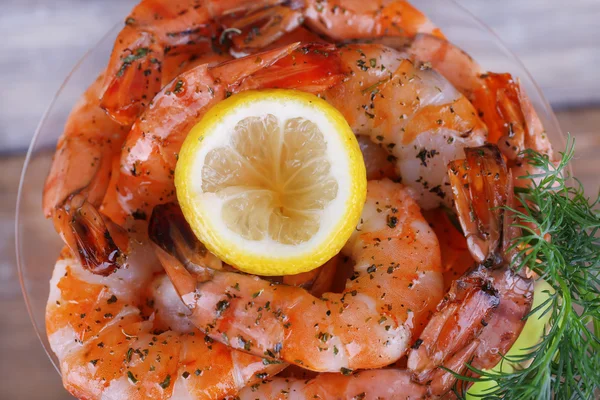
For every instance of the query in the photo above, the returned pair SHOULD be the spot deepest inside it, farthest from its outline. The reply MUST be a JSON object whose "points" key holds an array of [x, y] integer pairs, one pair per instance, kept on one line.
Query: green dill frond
{"points": [[560, 242]]}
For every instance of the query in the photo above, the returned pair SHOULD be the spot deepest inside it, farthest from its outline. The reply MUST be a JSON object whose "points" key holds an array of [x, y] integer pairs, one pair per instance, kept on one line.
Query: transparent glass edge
{"points": [[544, 102], [18, 218], [31, 151]]}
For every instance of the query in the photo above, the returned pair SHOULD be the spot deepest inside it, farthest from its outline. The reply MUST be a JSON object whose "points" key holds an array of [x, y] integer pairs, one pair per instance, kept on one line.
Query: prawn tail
{"points": [[182, 255], [100, 245], [460, 318], [134, 75], [482, 188], [512, 122], [444, 379]]}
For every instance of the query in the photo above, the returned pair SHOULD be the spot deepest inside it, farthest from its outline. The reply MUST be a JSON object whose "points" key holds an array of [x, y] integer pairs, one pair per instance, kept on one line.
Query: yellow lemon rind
{"points": [[240, 257]]}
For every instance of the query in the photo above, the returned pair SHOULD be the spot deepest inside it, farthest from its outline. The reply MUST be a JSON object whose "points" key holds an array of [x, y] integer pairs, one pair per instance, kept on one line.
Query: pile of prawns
{"points": [[138, 308]]}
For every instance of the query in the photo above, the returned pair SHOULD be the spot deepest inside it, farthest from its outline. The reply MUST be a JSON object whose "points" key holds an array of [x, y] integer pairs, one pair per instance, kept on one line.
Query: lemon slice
{"points": [[272, 182]]}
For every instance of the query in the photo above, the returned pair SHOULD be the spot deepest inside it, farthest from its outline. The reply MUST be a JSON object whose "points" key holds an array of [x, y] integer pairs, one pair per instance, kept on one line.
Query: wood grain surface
{"points": [[558, 41]]}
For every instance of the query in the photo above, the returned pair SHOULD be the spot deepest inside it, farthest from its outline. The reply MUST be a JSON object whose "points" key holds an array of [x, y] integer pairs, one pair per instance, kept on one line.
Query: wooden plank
{"points": [[25, 369], [558, 42], [584, 125], [43, 40]]}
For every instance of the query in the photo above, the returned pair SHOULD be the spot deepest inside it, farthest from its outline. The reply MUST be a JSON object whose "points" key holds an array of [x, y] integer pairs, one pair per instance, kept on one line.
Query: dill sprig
{"points": [[561, 244]]}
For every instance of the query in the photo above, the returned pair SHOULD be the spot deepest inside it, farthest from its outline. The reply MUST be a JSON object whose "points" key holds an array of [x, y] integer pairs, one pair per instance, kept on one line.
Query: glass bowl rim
{"points": [[24, 169], [543, 102]]}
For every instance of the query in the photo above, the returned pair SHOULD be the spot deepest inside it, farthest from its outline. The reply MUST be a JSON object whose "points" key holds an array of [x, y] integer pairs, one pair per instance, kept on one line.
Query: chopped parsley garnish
{"points": [[221, 307], [165, 384]]}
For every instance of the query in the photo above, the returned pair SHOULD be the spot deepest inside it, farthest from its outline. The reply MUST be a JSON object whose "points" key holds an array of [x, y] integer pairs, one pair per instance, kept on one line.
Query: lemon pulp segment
{"points": [[274, 178]]}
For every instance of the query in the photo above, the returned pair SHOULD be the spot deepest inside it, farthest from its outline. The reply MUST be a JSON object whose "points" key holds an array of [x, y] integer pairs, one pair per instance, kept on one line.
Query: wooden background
{"points": [[558, 41]]}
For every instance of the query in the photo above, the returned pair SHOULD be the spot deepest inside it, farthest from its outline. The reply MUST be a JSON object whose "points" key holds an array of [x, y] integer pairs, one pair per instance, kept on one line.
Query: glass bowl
{"points": [[38, 245]]}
